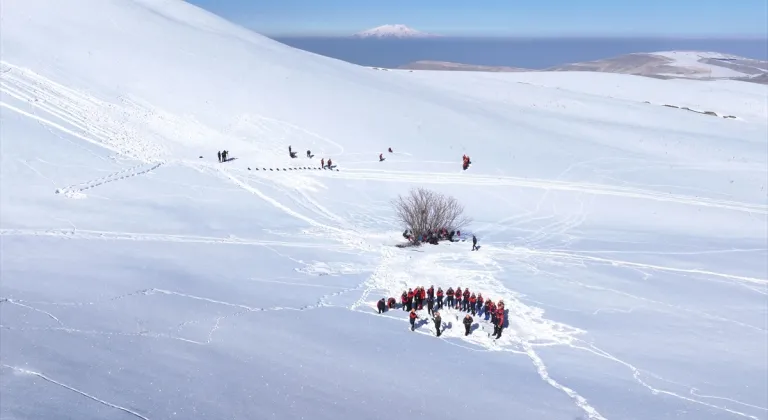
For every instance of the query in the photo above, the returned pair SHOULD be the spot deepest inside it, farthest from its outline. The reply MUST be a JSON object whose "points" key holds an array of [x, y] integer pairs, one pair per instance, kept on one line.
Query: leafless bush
{"points": [[423, 210]]}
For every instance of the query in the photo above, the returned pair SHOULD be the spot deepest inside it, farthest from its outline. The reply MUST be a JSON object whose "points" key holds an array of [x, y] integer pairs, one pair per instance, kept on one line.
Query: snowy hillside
{"points": [[141, 278], [396, 31]]}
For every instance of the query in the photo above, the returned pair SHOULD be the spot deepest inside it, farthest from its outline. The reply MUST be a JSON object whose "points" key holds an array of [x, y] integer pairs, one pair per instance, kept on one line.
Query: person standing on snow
{"points": [[473, 303], [412, 318], [410, 299], [391, 303], [474, 242], [431, 292], [439, 298], [467, 324], [438, 323], [430, 305], [219, 156], [449, 299], [381, 306], [465, 302], [458, 298], [322, 163], [479, 302], [404, 300], [498, 326]]}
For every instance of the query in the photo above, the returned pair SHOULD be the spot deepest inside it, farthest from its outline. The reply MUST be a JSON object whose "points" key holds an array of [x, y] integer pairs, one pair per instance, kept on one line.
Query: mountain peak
{"points": [[392, 31]]}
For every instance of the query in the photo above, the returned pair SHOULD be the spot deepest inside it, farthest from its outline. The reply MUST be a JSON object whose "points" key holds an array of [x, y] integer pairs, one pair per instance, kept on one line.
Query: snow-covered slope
{"points": [[397, 31], [626, 238]]}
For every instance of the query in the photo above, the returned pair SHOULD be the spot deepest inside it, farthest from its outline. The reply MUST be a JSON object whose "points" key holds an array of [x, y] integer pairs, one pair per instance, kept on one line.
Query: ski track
{"points": [[73, 389], [76, 191]]}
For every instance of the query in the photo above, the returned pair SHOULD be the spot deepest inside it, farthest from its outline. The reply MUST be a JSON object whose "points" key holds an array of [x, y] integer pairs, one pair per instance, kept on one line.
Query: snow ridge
{"points": [[396, 31]]}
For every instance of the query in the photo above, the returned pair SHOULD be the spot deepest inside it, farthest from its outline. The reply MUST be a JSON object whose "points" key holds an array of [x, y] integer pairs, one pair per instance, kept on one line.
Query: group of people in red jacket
{"points": [[464, 300]]}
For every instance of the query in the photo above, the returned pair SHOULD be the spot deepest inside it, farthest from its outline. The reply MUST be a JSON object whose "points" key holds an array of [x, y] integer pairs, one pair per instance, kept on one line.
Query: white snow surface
{"points": [[692, 60], [392, 31], [627, 239]]}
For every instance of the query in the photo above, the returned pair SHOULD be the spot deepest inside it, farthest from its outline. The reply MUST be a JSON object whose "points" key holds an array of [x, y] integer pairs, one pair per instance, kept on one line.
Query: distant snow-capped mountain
{"points": [[392, 31]]}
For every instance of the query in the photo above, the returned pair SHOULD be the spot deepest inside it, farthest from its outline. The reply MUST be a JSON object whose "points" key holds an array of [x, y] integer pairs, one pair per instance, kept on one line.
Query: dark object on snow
{"points": [[249, 168], [390, 150], [474, 243], [438, 323], [289, 149], [381, 157], [467, 324], [310, 155], [381, 305], [293, 154], [219, 156], [200, 157]]}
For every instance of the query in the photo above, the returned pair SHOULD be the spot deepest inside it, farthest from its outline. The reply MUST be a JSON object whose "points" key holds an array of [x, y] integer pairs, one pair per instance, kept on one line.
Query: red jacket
{"points": [[472, 299], [410, 295], [458, 291], [422, 293], [439, 293], [413, 315], [404, 298], [480, 299], [450, 292], [466, 294]]}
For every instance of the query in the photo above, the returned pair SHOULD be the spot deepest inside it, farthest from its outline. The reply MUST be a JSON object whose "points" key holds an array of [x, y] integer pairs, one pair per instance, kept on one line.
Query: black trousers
{"points": [[467, 328]]}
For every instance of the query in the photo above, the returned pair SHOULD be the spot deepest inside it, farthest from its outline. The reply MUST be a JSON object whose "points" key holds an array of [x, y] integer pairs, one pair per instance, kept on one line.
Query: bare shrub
{"points": [[423, 210]]}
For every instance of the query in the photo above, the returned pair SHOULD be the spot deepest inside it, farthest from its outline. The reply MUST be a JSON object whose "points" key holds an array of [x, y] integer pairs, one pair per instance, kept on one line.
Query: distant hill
{"points": [[396, 31], [665, 64]]}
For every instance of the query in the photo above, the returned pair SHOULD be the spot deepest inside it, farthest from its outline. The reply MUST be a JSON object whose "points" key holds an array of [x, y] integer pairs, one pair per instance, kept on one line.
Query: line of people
{"points": [[464, 300]]}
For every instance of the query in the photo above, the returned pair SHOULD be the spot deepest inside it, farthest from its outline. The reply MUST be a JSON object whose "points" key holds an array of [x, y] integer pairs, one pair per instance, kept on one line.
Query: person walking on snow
{"points": [[467, 324], [439, 298], [219, 156], [438, 323], [412, 318], [381, 306], [474, 242], [449, 299]]}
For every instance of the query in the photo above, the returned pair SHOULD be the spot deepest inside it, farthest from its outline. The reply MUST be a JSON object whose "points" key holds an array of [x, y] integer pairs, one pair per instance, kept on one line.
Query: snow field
{"points": [[626, 239]]}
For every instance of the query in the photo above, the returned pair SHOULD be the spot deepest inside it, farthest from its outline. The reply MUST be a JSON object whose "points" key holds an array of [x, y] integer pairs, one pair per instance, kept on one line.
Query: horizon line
{"points": [[436, 37]]}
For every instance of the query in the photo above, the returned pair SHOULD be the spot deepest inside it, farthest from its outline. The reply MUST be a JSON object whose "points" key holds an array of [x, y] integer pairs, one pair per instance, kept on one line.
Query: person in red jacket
{"points": [[473, 303], [439, 298], [498, 326], [431, 292], [458, 298], [412, 318], [480, 302], [410, 299], [404, 300], [465, 302], [492, 310], [391, 303], [449, 299]]}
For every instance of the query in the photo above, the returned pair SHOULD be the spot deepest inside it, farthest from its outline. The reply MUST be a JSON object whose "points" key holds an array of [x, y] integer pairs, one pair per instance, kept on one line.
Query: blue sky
{"points": [[719, 18]]}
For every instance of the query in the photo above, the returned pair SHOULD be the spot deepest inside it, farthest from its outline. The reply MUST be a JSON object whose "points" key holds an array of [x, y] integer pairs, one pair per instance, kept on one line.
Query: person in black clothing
{"points": [[474, 243], [219, 156], [467, 324], [430, 305], [382, 306], [438, 323]]}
